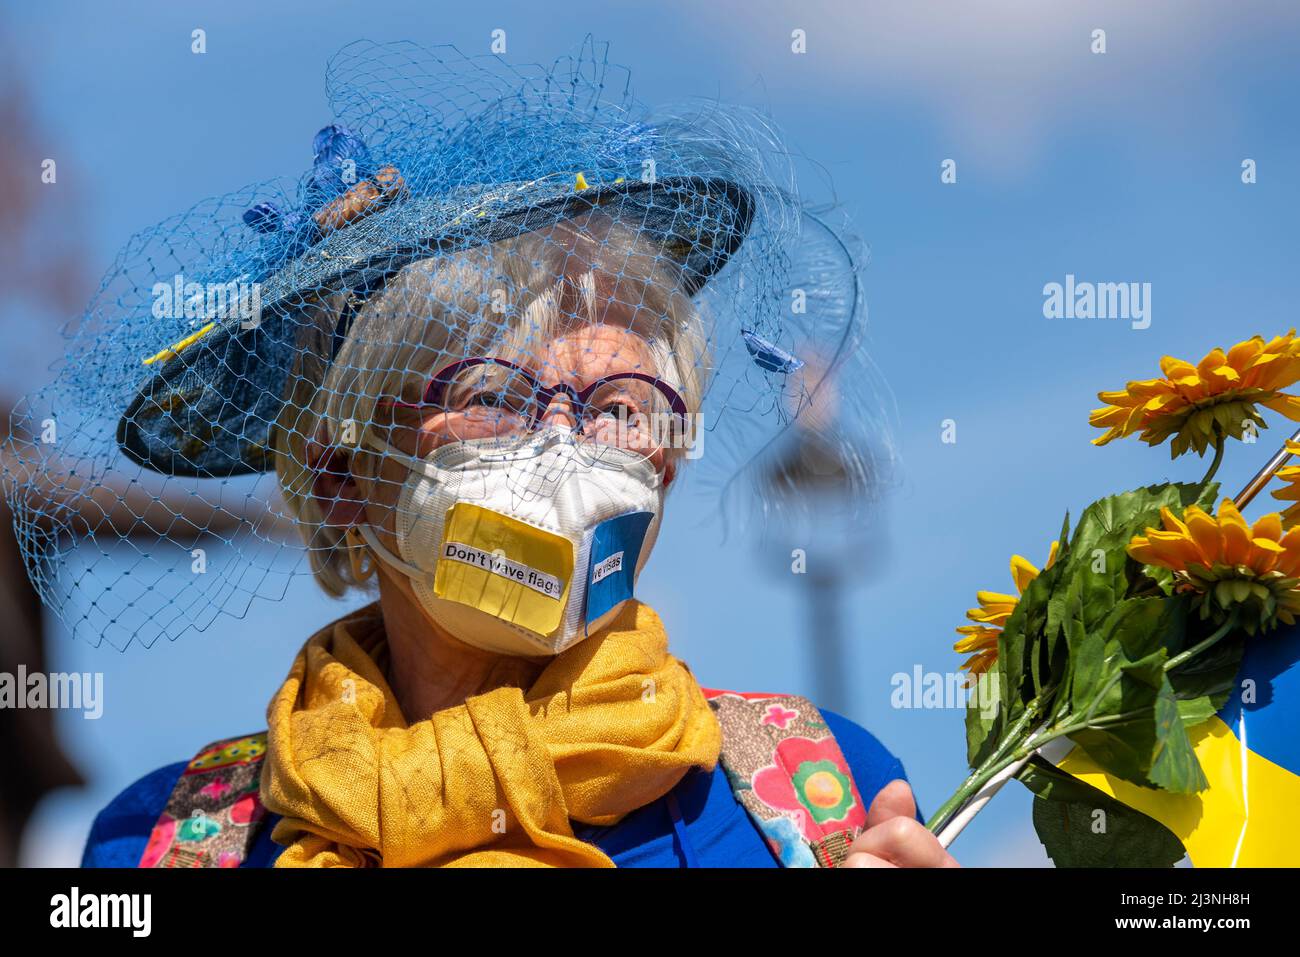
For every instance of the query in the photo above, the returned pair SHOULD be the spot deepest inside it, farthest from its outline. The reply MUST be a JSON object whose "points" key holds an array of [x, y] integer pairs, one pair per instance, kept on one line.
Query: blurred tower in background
{"points": [[821, 484]]}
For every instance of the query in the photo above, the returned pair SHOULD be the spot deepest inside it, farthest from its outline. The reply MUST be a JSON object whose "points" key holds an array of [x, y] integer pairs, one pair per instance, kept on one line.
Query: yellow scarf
{"points": [[609, 726]]}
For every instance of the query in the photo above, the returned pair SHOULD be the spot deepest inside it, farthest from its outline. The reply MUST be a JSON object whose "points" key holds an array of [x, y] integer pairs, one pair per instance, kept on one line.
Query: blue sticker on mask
{"points": [[615, 548]]}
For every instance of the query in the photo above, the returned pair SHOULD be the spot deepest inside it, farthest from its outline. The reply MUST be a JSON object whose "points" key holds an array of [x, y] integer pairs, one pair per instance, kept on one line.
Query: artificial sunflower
{"points": [[993, 612], [1229, 565], [1291, 493], [1200, 404]]}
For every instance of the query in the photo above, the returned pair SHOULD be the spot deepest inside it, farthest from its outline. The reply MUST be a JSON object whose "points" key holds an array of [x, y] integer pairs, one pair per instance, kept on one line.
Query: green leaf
{"points": [[1175, 766], [1087, 653], [1011, 654], [1211, 674], [1075, 834], [1026, 665], [1055, 642], [984, 717], [1056, 649], [1126, 639], [1104, 531], [1021, 668], [1148, 744], [1207, 496], [1151, 748], [1194, 711]]}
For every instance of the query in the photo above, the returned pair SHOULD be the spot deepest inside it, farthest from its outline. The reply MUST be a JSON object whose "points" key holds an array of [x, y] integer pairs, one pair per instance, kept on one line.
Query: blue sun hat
{"points": [[179, 369], [208, 409]]}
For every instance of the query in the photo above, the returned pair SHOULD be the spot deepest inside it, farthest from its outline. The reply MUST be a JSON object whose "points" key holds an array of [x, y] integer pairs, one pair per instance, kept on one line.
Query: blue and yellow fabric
{"points": [[1250, 753]]}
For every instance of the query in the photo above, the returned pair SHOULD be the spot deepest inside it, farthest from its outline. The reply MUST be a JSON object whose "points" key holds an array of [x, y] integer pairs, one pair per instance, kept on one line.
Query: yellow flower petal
{"points": [[1288, 405], [1022, 572], [1268, 526], [1197, 404], [1205, 534]]}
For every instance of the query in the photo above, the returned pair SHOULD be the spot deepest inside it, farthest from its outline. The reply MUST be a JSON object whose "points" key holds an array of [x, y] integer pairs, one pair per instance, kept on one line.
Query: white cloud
{"points": [[999, 77]]}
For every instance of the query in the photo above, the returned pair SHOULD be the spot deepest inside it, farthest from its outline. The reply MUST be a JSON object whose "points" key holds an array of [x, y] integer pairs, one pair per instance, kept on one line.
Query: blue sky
{"points": [[1118, 167]]}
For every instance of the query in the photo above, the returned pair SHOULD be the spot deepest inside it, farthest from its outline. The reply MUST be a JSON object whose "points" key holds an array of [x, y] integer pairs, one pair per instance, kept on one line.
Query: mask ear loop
{"points": [[381, 552], [362, 538], [360, 557]]}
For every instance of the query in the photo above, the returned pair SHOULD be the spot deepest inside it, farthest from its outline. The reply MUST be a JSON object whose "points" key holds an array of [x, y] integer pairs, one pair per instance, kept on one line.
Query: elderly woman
{"points": [[480, 415]]}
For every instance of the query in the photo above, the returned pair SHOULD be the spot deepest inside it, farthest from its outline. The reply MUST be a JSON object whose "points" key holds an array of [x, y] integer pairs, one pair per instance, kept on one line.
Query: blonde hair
{"points": [[493, 299]]}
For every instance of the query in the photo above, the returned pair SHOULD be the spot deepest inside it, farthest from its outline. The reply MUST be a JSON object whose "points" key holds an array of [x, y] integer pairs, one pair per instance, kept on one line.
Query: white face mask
{"points": [[527, 551]]}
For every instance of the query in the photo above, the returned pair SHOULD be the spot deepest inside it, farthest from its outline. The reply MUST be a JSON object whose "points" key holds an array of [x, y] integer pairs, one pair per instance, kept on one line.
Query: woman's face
{"points": [[576, 358]]}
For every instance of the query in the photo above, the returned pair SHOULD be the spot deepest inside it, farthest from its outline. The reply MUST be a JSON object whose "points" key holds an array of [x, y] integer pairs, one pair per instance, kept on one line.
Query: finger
{"points": [[865, 860], [894, 800], [903, 841]]}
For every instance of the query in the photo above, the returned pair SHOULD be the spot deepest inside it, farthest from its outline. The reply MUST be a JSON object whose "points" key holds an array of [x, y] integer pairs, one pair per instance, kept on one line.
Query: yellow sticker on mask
{"points": [[504, 567]]}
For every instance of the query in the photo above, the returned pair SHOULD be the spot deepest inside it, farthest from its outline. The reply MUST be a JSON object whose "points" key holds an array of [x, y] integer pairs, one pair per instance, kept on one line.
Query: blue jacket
{"points": [[697, 824]]}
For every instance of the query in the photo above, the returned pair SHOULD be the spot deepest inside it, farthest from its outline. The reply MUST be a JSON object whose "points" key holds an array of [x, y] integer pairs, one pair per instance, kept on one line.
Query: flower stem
{"points": [[985, 773], [990, 769], [1189, 653], [1219, 443], [1017, 747], [977, 778]]}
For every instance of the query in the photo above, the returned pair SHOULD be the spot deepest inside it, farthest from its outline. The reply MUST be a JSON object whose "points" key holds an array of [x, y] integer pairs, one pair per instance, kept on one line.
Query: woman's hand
{"points": [[894, 837]]}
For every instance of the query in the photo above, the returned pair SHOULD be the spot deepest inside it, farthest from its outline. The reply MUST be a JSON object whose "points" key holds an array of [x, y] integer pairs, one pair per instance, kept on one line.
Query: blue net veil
{"points": [[456, 208]]}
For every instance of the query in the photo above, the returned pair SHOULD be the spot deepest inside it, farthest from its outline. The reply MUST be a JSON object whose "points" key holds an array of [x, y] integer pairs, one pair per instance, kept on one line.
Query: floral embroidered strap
{"points": [[778, 754], [786, 769], [212, 816]]}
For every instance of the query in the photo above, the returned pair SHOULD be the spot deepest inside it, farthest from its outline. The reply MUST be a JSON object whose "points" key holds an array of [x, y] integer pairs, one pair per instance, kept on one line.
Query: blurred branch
{"points": [[132, 509]]}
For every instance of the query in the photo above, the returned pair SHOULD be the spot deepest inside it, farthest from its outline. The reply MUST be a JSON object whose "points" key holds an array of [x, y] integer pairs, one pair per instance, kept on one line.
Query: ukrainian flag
{"points": [[1250, 752]]}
